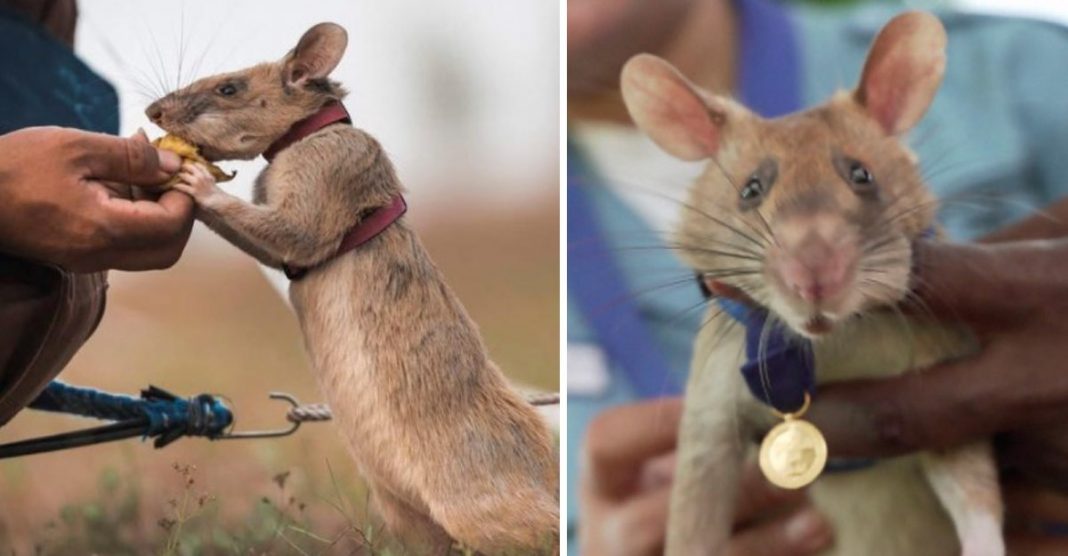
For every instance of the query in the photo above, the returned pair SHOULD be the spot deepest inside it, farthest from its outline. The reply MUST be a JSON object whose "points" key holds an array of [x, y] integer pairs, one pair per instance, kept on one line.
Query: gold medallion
{"points": [[794, 452]]}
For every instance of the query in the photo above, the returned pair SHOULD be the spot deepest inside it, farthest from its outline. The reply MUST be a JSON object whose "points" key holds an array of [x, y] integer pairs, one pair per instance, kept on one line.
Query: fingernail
{"points": [[168, 161], [808, 530]]}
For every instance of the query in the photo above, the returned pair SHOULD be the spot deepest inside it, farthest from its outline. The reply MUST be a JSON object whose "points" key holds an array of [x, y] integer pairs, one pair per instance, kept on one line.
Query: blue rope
{"points": [[165, 417]]}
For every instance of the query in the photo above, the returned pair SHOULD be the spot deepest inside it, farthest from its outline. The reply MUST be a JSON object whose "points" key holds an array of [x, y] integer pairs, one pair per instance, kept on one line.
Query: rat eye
{"points": [[856, 175], [752, 191], [227, 90], [859, 175], [759, 183]]}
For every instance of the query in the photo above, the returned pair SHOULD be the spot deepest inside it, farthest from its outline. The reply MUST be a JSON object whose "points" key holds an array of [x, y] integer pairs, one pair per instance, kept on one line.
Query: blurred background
{"points": [[464, 96]]}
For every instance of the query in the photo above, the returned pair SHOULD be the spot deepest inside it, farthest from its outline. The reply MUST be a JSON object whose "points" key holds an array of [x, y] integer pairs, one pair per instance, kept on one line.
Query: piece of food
{"points": [[189, 151]]}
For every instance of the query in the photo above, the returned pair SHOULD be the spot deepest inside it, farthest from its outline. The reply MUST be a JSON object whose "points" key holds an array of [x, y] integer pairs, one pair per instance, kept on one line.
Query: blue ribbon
{"points": [[779, 367]]}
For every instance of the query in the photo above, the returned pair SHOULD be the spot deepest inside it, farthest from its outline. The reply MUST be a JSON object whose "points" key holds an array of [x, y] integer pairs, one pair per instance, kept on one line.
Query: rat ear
{"points": [[903, 71], [317, 53], [670, 109]]}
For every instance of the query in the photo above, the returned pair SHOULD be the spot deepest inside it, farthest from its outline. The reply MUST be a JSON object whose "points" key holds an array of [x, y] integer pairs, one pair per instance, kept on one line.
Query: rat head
{"points": [[811, 215], [238, 115]]}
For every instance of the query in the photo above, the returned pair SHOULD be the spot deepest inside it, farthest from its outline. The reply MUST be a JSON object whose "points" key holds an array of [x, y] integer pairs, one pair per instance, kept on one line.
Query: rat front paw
{"points": [[196, 181]]}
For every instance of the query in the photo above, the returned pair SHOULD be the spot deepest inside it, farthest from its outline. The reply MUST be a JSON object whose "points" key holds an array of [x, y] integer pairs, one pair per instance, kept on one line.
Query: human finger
{"points": [[620, 440]]}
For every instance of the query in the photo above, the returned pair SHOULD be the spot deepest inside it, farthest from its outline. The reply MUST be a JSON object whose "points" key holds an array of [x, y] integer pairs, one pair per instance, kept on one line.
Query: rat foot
{"points": [[982, 537], [196, 181]]}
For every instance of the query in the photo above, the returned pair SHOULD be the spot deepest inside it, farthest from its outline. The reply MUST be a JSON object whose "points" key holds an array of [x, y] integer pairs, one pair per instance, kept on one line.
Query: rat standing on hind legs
{"points": [[810, 219], [448, 447]]}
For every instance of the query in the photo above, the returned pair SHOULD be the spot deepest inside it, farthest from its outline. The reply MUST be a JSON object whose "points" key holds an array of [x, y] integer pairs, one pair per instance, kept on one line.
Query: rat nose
{"points": [[815, 270], [154, 112]]}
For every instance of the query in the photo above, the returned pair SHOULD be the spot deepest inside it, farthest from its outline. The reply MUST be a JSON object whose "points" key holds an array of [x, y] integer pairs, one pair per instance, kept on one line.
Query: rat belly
{"points": [[433, 424], [889, 508], [338, 342]]}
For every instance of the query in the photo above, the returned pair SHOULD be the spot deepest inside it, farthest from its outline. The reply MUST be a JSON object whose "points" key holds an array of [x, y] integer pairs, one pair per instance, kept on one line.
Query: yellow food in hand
{"points": [[189, 152]]}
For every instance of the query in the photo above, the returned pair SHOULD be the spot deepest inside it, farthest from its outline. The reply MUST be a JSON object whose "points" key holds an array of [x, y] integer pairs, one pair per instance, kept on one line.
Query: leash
{"points": [[156, 414], [162, 416]]}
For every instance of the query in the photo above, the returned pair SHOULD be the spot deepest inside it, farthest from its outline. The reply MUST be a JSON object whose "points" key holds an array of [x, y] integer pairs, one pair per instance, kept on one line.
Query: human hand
{"points": [[62, 202], [628, 465], [1014, 296]]}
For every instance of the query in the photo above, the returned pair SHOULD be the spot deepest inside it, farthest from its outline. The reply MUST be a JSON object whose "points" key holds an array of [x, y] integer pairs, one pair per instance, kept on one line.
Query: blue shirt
{"points": [[42, 82], [993, 137]]}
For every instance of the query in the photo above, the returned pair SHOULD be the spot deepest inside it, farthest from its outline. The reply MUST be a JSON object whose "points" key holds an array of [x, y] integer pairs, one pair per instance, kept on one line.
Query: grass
{"points": [[189, 522], [278, 522]]}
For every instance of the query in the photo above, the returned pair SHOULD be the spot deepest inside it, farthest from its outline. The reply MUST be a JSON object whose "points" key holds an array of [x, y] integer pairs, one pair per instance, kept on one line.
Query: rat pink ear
{"points": [[903, 71], [670, 109], [317, 53]]}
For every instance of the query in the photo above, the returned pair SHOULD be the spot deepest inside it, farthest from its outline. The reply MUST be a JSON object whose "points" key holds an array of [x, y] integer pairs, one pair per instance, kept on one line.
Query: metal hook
{"points": [[297, 415]]}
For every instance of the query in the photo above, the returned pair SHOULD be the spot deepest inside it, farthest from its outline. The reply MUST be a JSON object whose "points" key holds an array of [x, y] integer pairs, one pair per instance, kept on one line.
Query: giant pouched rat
{"points": [[449, 449], [811, 216]]}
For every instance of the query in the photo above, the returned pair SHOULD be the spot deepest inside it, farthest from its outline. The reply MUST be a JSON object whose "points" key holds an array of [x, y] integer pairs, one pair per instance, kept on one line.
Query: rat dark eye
{"points": [[752, 191], [759, 183], [860, 176], [856, 175], [227, 90]]}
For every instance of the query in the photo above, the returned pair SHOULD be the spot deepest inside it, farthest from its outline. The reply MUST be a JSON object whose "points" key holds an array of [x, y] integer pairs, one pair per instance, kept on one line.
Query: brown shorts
{"points": [[46, 314]]}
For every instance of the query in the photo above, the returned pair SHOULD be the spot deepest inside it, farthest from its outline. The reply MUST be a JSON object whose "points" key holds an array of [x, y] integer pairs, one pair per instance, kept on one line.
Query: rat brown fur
{"points": [[812, 216], [448, 447]]}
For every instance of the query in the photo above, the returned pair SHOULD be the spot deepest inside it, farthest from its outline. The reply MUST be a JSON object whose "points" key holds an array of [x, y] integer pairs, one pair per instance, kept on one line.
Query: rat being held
{"points": [[449, 449], [802, 228]]}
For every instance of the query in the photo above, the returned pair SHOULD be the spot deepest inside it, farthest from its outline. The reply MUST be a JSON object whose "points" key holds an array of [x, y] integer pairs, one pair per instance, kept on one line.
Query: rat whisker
{"points": [[702, 213], [222, 22], [726, 176], [913, 299], [888, 262], [578, 245], [647, 191], [676, 318], [697, 242], [879, 242], [159, 58], [718, 252], [976, 201], [677, 248], [904, 213], [927, 132], [181, 45], [616, 301]]}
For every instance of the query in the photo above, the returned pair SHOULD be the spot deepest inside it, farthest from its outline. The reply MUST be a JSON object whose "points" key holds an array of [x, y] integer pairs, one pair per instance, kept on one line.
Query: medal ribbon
{"points": [[779, 368]]}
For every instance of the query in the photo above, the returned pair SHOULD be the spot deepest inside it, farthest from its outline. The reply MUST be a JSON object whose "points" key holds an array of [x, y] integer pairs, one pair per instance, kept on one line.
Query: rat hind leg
{"points": [[965, 479], [519, 518], [409, 524]]}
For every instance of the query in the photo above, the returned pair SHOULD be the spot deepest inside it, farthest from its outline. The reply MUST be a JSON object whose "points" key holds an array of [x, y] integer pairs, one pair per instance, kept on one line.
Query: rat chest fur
{"points": [[390, 345]]}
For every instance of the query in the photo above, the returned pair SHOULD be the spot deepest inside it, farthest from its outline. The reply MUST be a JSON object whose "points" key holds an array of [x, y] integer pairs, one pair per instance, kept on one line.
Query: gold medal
{"points": [[794, 452]]}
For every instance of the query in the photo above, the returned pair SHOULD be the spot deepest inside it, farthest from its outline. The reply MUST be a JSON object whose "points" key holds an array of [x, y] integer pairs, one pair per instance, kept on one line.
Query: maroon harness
{"points": [[372, 223]]}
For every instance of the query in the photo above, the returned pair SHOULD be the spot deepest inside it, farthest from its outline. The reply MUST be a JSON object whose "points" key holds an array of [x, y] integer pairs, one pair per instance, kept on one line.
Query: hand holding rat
{"points": [[59, 201], [1015, 297], [627, 472]]}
